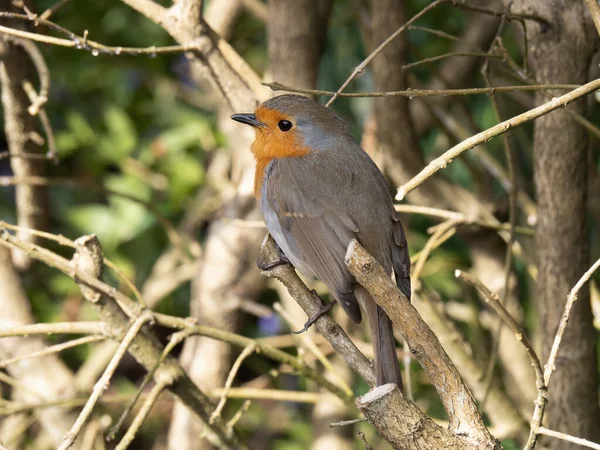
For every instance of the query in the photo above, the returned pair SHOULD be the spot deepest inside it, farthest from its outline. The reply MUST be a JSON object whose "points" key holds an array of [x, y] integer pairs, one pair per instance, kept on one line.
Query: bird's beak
{"points": [[248, 119]]}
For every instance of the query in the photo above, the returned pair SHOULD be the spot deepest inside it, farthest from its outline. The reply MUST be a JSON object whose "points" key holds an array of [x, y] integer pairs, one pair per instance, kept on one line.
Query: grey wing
{"points": [[315, 237]]}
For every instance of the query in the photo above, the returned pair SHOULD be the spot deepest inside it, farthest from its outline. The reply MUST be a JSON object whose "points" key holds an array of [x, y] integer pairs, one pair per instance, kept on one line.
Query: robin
{"points": [[317, 189]]}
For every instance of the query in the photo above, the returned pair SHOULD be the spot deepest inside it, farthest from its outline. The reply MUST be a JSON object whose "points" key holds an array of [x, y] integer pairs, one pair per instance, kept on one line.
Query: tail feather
{"points": [[387, 368]]}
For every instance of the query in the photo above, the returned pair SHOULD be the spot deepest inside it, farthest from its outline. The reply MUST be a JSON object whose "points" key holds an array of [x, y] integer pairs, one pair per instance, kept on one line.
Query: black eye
{"points": [[285, 125]]}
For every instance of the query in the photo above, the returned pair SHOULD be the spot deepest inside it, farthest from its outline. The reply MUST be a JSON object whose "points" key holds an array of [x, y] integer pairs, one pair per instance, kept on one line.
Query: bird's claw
{"points": [[262, 265], [311, 320]]}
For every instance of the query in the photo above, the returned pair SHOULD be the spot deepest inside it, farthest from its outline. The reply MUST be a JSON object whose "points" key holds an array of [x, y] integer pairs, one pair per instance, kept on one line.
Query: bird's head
{"points": [[292, 126]]}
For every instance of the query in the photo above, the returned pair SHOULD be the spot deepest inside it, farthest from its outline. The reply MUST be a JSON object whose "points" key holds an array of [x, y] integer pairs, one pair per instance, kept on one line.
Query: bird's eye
{"points": [[285, 125]]}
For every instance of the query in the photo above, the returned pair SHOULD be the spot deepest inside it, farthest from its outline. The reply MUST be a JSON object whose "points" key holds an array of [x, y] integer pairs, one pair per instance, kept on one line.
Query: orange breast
{"points": [[271, 143]]}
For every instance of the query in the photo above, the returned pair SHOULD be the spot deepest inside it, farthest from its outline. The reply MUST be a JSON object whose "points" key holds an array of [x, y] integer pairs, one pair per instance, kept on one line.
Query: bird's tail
{"points": [[387, 369]]}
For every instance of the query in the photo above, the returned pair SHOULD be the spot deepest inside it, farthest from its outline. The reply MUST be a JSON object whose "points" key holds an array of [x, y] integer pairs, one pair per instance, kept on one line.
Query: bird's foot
{"points": [[322, 311], [268, 265], [263, 265]]}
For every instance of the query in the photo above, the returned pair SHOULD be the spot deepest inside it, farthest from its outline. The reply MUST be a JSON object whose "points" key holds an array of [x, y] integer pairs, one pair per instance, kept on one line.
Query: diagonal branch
{"points": [[465, 419], [442, 161]]}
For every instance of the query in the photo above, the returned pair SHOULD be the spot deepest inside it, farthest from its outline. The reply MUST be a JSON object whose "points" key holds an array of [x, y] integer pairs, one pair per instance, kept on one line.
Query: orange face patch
{"points": [[272, 143]]}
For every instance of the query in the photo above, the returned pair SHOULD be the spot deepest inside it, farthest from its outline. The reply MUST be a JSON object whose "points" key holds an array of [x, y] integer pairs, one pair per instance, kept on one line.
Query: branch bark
{"points": [[465, 419], [402, 423]]}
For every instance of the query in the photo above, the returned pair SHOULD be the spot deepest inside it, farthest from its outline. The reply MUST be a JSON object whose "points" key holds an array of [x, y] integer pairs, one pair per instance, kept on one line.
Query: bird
{"points": [[317, 190]]}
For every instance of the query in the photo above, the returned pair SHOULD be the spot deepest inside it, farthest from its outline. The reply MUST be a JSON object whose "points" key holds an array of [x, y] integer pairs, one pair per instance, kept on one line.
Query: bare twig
{"points": [[461, 218], [63, 240], [361, 436], [384, 44], [268, 394], [232, 373], [104, 381], [439, 232], [549, 367], [140, 417], [442, 161], [92, 328], [414, 93], [568, 438], [82, 42], [345, 423], [52, 349], [492, 299], [51, 10]]}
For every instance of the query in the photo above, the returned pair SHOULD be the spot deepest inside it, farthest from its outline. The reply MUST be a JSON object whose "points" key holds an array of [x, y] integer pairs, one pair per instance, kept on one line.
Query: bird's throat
{"points": [[259, 175], [270, 145]]}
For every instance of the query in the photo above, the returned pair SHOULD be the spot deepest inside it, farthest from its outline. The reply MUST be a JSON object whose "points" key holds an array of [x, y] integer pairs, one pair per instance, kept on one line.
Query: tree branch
{"points": [[465, 419]]}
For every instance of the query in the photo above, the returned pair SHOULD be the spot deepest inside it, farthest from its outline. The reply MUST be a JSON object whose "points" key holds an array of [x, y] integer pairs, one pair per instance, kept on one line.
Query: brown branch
{"points": [[465, 419], [403, 424], [311, 304], [442, 161]]}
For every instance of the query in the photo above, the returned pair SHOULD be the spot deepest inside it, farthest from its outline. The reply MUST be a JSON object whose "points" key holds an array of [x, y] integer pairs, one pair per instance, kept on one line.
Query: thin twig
{"points": [[345, 423], [62, 240], [461, 218], [441, 230], [512, 194], [491, 298], [449, 55], [83, 43], [104, 381], [571, 299], [413, 93], [52, 349], [230, 377], [59, 4], [568, 438], [140, 417], [92, 328], [268, 394], [51, 154], [363, 439], [445, 159], [307, 340], [380, 48]]}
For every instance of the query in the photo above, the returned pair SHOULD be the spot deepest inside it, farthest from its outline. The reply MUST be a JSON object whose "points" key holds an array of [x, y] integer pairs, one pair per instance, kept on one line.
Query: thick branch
{"points": [[464, 417], [403, 424]]}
